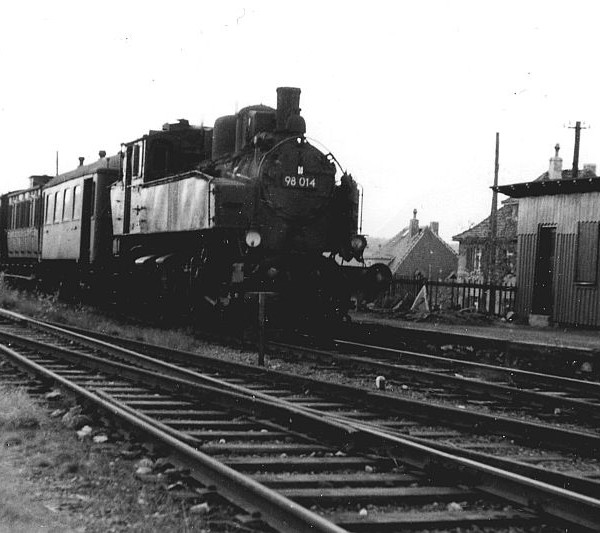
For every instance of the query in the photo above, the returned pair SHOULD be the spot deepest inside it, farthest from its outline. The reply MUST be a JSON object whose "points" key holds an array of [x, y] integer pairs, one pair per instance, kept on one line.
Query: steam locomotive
{"points": [[199, 217]]}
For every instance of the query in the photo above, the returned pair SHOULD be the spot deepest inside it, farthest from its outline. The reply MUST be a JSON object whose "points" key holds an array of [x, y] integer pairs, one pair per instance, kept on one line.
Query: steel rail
{"points": [[257, 395], [183, 381], [536, 433], [399, 333], [545, 499], [576, 484], [493, 390], [515, 375], [280, 512], [553, 477]]}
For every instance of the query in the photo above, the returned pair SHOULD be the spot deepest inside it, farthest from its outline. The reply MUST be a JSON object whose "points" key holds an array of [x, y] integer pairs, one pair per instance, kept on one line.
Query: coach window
{"points": [[57, 206], [77, 202], [47, 209], [25, 215], [93, 200], [67, 205], [36, 212]]}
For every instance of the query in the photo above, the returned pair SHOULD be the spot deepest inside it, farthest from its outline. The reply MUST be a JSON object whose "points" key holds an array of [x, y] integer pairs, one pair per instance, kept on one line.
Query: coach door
{"points": [[87, 212], [543, 293]]}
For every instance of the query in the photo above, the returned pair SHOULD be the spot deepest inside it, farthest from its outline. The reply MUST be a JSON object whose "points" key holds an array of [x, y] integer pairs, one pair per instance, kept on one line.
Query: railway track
{"points": [[299, 469], [355, 416], [514, 353], [520, 446], [547, 396]]}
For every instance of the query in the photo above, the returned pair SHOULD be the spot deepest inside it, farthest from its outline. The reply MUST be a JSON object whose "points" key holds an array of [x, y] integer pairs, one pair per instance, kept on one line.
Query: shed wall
{"points": [[573, 303]]}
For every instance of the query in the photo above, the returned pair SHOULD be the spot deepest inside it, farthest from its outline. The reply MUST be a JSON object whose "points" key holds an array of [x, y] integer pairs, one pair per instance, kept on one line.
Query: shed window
{"points": [[587, 252]]}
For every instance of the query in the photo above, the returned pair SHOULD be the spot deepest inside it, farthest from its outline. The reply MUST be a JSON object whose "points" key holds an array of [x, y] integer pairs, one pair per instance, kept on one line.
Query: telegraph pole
{"points": [[491, 269], [578, 127]]}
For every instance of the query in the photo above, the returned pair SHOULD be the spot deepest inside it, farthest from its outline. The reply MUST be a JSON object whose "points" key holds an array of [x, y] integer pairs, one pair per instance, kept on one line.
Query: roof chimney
{"points": [[589, 168], [413, 227], [81, 159], [555, 170], [434, 227]]}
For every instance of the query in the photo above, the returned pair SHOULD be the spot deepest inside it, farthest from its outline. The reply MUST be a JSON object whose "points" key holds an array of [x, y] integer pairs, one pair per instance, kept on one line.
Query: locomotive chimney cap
{"points": [[81, 160]]}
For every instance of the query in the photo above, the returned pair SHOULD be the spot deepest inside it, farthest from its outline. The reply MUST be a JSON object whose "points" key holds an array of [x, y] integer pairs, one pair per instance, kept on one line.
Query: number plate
{"points": [[300, 182]]}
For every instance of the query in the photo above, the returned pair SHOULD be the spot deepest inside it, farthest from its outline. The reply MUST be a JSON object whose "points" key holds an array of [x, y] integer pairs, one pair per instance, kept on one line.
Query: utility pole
{"points": [[491, 270], [578, 127]]}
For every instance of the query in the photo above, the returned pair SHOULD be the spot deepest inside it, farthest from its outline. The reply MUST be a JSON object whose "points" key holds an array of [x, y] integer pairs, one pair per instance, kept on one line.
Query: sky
{"points": [[408, 96]]}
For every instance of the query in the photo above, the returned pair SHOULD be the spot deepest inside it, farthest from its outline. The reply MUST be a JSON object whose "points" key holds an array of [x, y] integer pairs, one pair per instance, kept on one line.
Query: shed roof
{"points": [[586, 181], [551, 187]]}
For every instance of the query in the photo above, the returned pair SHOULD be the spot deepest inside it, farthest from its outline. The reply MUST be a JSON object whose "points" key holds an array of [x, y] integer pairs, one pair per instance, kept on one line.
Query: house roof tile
{"points": [[506, 226]]}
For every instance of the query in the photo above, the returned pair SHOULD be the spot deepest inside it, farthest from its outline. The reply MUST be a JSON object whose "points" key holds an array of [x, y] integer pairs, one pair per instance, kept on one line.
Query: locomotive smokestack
{"points": [[81, 159], [288, 108], [102, 154]]}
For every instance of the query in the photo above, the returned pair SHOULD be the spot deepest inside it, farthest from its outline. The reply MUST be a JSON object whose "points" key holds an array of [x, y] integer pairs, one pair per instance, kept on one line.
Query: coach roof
{"points": [[111, 163]]}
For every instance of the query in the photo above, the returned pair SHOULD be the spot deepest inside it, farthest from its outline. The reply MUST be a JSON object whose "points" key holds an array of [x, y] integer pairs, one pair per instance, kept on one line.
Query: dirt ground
{"points": [[55, 481]]}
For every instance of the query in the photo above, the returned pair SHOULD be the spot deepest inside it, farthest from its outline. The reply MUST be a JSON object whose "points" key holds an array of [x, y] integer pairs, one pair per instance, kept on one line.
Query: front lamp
{"points": [[253, 238], [358, 245]]}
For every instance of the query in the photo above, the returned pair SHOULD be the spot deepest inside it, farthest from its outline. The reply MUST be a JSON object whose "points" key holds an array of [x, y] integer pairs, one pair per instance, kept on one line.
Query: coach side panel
{"points": [[62, 222]]}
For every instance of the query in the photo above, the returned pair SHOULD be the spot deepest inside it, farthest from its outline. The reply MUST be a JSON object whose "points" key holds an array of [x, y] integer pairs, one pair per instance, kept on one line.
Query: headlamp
{"points": [[253, 238], [358, 244]]}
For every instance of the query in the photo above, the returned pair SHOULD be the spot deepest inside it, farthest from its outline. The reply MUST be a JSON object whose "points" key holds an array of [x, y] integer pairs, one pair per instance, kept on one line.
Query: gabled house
{"points": [[416, 252], [474, 248]]}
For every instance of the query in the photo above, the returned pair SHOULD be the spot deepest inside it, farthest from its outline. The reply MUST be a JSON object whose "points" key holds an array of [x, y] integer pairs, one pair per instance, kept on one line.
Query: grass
{"points": [[19, 411], [48, 307]]}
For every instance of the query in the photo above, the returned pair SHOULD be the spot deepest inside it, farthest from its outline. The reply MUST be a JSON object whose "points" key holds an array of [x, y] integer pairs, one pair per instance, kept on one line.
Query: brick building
{"points": [[416, 251]]}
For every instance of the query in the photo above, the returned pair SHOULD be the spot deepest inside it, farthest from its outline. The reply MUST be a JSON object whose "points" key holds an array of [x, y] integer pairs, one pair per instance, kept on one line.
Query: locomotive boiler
{"points": [[206, 216]]}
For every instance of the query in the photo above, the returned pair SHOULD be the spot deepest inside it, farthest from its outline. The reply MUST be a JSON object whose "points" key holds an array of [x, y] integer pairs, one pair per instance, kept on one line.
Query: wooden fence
{"points": [[484, 298]]}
